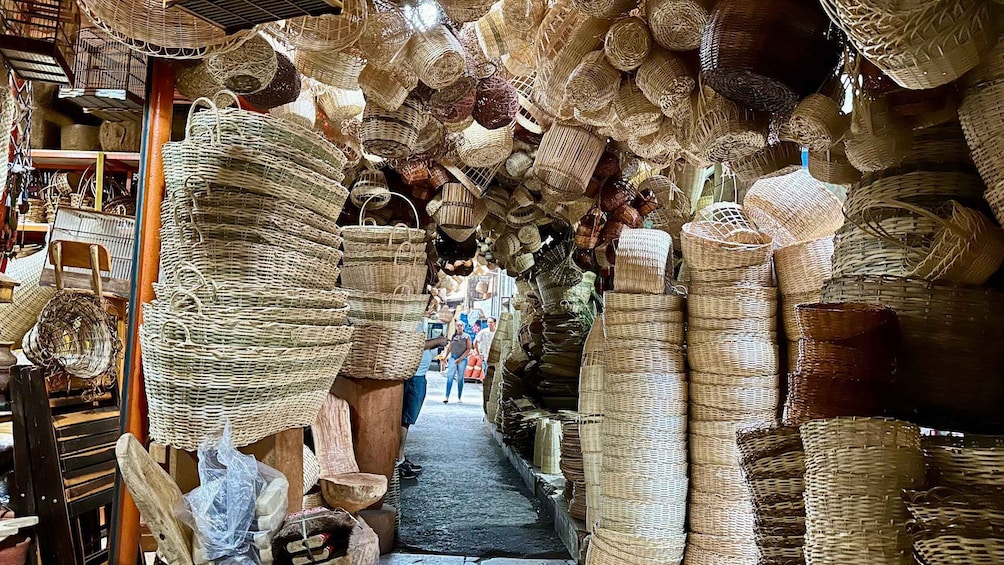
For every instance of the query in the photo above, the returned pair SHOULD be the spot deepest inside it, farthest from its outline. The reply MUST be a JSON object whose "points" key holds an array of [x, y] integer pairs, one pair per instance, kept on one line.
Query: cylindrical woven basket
{"points": [[817, 123], [339, 69], [725, 131], [780, 159], [495, 37], [496, 103], [391, 134], [457, 210], [437, 57], [804, 267], [480, 147], [387, 88], [385, 354], [569, 154], [384, 37], [627, 43], [120, 136], [665, 80], [733, 302], [593, 84], [716, 245], [643, 257]]}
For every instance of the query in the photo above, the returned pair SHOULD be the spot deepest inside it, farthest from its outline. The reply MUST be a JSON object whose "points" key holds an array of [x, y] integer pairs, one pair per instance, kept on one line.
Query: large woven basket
{"points": [[328, 32], [833, 166], [793, 208], [804, 267], [779, 159], [772, 75], [384, 353], [384, 37], [391, 134], [387, 88], [717, 245], [246, 70], [568, 155]]}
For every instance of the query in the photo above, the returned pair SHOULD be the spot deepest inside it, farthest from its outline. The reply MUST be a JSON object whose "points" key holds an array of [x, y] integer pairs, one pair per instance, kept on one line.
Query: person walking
{"points": [[414, 397], [456, 362], [483, 341]]}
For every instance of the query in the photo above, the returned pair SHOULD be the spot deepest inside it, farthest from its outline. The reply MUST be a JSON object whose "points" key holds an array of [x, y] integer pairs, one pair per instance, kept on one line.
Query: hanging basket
{"points": [[384, 38], [817, 123], [302, 112], [246, 70], [832, 166], [793, 208], [495, 37], [339, 69], [391, 134], [593, 84], [627, 43], [496, 102], [387, 88], [482, 147], [325, 33], [463, 11], [457, 211], [633, 111], [370, 188], [677, 24], [437, 57], [877, 140], [283, 89], [780, 159], [665, 80], [454, 104], [567, 156], [726, 131]]}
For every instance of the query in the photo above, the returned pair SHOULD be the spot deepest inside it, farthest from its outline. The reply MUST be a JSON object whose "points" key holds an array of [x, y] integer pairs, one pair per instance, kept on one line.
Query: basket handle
{"points": [[214, 134], [184, 329], [403, 288], [362, 209], [182, 292], [203, 282], [393, 230]]}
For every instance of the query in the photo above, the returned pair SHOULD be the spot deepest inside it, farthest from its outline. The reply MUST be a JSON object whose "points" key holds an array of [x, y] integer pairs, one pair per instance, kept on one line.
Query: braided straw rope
{"points": [[627, 43]]}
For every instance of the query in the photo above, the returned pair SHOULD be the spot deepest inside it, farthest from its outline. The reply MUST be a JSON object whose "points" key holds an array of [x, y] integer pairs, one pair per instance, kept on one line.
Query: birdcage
{"points": [[108, 77], [113, 232], [37, 38], [235, 15]]}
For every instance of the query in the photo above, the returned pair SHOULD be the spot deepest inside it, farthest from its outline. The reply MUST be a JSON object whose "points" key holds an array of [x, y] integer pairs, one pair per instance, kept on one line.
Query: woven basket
{"points": [[458, 207], [384, 354], [832, 166], [327, 32], [482, 147], [246, 70], [339, 69], [642, 260], [495, 37], [120, 136], [918, 48], [621, 301], [725, 131], [780, 159], [756, 275], [733, 302], [633, 111], [768, 76], [716, 245], [968, 249], [735, 357], [593, 84], [627, 43], [462, 11], [437, 57], [384, 37], [387, 88], [193, 390], [845, 321], [384, 276], [677, 24], [496, 102], [283, 89], [817, 123], [665, 80], [793, 208], [150, 27], [370, 188], [391, 134], [302, 111], [804, 267], [568, 155], [878, 140]]}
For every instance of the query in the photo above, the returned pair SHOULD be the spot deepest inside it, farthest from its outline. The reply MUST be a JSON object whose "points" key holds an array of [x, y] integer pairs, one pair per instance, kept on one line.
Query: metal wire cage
{"points": [[37, 38], [108, 77]]}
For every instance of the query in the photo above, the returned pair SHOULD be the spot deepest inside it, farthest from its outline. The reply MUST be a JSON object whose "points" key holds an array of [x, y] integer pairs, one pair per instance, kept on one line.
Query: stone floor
{"points": [[469, 501]]}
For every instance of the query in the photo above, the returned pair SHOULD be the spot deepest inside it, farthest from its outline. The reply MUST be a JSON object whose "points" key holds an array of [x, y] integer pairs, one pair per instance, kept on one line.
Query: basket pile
{"points": [[855, 470], [563, 337], [845, 361], [643, 497], [950, 374], [591, 412], [960, 514], [571, 465], [733, 354], [773, 464], [801, 269], [251, 200], [979, 113], [384, 273]]}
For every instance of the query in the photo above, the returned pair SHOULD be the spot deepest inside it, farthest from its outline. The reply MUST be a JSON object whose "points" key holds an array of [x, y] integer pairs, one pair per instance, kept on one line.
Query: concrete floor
{"points": [[469, 502]]}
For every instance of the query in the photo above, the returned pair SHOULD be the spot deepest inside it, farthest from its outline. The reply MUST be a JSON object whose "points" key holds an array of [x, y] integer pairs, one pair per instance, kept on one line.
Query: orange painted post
{"points": [[125, 532]]}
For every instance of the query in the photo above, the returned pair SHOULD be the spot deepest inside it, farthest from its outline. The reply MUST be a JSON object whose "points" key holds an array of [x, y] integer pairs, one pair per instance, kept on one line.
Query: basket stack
{"points": [[643, 497], [733, 355], [563, 336], [960, 515], [845, 361], [801, 269], [773, 463], [950, 377], [384, 273], [571, 465], [855, 470], [591, 415], [979, 115], [251, 200]]}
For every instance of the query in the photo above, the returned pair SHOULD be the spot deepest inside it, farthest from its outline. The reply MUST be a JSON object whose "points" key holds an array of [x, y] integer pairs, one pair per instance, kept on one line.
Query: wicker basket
{"points": [[717, 245], [665, 80], [568, 155], [370, 189], [768, 76], [386, 276], [246, 70], [780, 159], [454, 104], [627, 43], [633, 111], [726, 131], [832, 166], [391, 134], [284, 88], [643, 257], [804, 267], [79, 137], [120, 136], [877, 140], [302, 111], [387, 88], [793, 208], [482, 147], [437, 57], [339, 69], [495, 36], [384, 37], [817, 123], [593, 84], [496, 102], [327, 32], [457, 210], [677, 24], [384, 353]]}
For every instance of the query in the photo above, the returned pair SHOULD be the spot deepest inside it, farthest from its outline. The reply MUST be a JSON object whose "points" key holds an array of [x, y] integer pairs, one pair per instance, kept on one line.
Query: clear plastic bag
{"points": [[225, 512]]}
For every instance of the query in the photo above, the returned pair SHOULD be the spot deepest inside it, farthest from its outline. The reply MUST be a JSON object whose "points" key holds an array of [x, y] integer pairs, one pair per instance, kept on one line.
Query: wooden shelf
{"points": [[79, 160]]}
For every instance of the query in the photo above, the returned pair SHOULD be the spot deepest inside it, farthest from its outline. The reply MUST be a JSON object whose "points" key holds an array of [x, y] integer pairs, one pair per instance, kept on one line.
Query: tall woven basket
{"points": [[567, 156], [458, 210]]}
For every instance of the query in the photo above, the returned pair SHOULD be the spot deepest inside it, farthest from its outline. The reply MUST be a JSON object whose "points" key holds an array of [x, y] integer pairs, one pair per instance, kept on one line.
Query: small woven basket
{"points": [[496, 102], [339, 69], [437, 57], [454, 104], [387, 88], [458, 210], [804, 267], [480, 147], [593, 84], [284, 88], [832, 166], [246, 70], [384, 37], [302, 111], [643, 258], [627, 43], [779, 159], [817, 123], [726, 131], [495, 37], [665, 80], [633, 111], [568, 155], [677, 25], [370, 189], [391, 134]]}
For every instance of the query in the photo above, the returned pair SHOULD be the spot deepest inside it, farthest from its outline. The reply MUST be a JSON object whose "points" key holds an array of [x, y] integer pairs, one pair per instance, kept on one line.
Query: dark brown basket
{"points": [[496, 102], [284, 88], [454, 103], [813, 396], [870, 361], [767, 55], [843, 321]]}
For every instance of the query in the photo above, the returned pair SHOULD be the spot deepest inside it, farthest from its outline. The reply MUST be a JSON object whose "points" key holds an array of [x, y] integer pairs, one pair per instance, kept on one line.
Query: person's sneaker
{"points": [[446, 401], [414, 466], [459, 401], [406, 471]]}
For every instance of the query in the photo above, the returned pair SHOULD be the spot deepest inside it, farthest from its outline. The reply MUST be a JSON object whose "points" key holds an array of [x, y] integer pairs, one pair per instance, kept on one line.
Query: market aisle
{"points": [[469, 501]]}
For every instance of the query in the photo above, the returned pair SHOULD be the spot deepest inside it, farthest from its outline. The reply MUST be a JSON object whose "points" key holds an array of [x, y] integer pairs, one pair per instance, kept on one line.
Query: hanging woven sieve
{"points": [[324, 33], [437, 57], [284, 88], [627, 43], [496, 102], [334, 68], [391, 134], [568, 153], [677, 24], [770, 75], [246, 70]]}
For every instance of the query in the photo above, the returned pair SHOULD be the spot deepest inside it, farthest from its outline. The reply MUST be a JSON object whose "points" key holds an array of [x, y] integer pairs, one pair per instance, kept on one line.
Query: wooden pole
{"points": [[375, 409], [125, 531]]}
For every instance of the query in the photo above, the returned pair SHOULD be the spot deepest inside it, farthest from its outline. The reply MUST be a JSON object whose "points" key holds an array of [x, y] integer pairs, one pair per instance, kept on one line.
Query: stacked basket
{"points": [[773, 464], [959, 518], [251, 201], [845, 361], [855, 470], [643, 496], [733, 355], [384, 272], [591, 415]]}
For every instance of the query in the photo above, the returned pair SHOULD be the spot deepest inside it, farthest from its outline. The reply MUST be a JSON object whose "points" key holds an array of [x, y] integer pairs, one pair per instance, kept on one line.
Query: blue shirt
{"points": [[427, 355]]}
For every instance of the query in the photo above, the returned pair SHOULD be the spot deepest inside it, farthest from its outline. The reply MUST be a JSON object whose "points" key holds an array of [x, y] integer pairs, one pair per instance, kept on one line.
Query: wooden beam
{"points": [[125, 539]]}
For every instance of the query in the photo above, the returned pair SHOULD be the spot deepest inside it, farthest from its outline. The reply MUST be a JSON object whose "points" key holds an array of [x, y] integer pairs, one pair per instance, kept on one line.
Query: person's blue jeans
{"points": [[455, 371]]}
